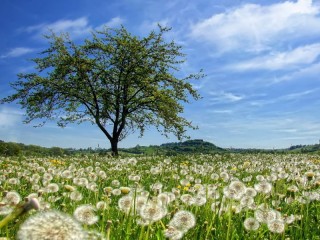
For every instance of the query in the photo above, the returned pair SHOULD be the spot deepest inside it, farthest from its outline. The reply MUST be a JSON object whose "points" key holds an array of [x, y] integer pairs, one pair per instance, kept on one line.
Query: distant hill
{"points": [[174, 148]]}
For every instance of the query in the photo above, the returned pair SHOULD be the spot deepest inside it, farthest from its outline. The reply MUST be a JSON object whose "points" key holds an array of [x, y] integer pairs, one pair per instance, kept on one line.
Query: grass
{"points": [[212, 188]]}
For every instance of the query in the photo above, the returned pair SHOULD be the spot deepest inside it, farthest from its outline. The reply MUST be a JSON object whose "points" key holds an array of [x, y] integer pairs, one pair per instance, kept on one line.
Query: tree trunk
{"points": [[114, 147]]}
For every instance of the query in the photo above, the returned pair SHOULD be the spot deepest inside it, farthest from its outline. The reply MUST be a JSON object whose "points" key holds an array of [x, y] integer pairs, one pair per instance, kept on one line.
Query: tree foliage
{"points": [[115, 80]]}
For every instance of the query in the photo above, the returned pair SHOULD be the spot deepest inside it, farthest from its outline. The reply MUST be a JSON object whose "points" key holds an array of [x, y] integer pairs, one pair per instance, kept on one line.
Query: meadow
{"points": [[222, 196]]}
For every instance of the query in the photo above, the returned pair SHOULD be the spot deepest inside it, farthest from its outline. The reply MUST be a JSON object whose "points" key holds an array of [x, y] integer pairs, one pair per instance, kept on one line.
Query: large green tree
{"points": [[115, 80]]}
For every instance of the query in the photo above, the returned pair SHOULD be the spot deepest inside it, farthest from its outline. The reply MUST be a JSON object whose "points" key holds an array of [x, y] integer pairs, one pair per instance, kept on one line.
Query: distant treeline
{"points": [[197, 146], [16, 149]]}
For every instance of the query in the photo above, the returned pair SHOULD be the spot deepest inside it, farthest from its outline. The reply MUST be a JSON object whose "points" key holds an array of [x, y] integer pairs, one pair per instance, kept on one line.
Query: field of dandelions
{"points": [[230, 196]]}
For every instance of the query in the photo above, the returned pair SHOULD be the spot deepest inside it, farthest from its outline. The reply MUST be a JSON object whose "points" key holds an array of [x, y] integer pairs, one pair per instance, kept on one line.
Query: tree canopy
{"points": [[115, 80]]}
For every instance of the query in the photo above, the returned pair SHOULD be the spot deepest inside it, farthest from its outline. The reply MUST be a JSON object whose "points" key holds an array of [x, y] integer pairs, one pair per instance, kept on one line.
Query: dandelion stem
{"points": [[229, 221], [16, 213]]}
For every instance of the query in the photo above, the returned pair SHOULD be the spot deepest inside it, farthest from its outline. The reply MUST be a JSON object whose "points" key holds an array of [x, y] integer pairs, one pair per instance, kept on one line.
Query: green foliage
{"points": [[19, 149], [117, 81], [9, 149]]}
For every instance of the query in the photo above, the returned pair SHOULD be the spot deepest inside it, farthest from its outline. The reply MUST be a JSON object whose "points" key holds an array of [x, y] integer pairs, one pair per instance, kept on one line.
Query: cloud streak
{"points": [[300, 56], [9, 117], [17, 52]]}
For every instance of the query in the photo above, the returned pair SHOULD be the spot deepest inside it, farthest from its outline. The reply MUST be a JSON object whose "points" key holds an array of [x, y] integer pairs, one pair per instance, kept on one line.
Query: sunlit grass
{"points": [[231, 196]]}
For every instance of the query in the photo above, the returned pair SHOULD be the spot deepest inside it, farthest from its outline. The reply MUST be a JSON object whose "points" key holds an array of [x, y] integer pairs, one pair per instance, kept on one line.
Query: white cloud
{"points": [[17, 52], [297, 95], [224, 97], [75, 28], [309, 72], [253, 27], [9, 117], [274, 61], [222, 111], [114, 22]]}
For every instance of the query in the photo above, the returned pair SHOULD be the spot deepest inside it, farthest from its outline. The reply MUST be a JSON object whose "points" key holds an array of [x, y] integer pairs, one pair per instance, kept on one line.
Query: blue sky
{"points": [[261, 60]]}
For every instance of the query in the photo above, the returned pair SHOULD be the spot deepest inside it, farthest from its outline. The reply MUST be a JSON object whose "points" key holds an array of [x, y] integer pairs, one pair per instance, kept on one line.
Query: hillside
{"points": [[189, 146]]}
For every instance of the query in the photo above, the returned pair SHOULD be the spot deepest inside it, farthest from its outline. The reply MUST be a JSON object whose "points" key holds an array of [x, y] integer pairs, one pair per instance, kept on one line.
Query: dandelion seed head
{"points": [[276, 226], [183, 221], [51, 225], [263, 187], [125, 203], [116, 192], [5, 210], [251, 224], [12, 198], [52, 188], [152, 212], [76, 196], [101, 205], [86, 214], [173, 233]]}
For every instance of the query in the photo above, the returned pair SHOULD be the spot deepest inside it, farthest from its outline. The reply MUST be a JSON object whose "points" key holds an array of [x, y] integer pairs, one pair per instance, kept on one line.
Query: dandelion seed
{"points": [[116, 192], [136, 178], [92, 177], [187, 199], [199, 200], [86, 214], [94, 235], [185, 182], [101, 205], [115, 183], [251, 224], [82, 182], [225, 176], [250, 192], [246, 201], [12, 198], [140, 201], [143, 222], [92, 186], [152, 212], [238, 188], [214, 176], [164, 198], [260, 178], [51, 225], [157, 187], [183, 221], [215, 206], [76, 196], [125, 203], [263, 187], [13, 181], [265, 216], [173, 233], [5, 210], [102, 174], [47, 177], [276, 226], [52, 188], [67, 174]]}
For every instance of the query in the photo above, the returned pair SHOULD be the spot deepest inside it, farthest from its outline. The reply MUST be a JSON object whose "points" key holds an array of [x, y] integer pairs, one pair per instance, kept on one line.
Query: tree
{"points": [[115, 80]]}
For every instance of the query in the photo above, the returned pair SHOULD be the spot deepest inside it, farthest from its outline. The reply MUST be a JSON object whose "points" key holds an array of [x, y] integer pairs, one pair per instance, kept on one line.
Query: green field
{"points": [[221, 196]]}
